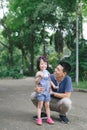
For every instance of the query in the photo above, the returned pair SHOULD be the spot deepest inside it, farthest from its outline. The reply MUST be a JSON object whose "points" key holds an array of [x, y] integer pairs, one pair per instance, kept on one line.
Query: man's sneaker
{"points": [[43, 116], [64, 119]]}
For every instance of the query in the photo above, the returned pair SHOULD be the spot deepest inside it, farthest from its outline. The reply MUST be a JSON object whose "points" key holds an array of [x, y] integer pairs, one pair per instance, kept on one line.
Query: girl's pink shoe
{"points": [[39, 121], [50, 121]]}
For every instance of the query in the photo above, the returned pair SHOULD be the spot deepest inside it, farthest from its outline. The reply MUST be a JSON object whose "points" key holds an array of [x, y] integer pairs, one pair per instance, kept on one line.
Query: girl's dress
{"points": [[45, 82]]}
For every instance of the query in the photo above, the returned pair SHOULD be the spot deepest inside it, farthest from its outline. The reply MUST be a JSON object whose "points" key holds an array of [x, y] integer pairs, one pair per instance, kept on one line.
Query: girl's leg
{"points": [[39, 108], [47, 109], [49, 120]]}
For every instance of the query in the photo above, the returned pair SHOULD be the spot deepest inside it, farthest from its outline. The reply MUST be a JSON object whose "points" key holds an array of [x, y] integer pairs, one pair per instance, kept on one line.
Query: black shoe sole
{"points": [[43, 116], [64, 119]]}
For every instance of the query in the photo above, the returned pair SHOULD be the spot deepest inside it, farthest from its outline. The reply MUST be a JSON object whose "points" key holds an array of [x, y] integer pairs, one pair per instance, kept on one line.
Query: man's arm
{"points": [[61, 95]]}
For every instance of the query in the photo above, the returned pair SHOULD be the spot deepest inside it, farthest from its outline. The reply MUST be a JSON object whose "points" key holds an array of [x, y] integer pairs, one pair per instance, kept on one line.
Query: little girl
{"points": [[43, 79]]}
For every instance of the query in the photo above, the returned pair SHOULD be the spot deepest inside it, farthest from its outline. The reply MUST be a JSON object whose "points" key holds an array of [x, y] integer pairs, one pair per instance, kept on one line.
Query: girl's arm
{"points": [[38, 77], [53, 85]]}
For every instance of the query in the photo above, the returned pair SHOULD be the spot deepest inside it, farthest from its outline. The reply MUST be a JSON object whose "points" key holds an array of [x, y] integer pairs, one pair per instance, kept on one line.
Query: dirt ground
{"points": [[17, 110]]}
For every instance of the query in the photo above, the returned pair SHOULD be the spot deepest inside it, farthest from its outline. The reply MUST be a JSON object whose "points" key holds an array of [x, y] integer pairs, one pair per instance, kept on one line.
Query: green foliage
{"points": [[25, 33], [82, 63], [45, 12], [59, 41], [14, 73], [53, 61], [81, 85]]}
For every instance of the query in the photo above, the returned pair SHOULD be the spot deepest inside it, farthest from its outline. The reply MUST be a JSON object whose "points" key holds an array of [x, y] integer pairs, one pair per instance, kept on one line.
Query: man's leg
{"points": [[54, 104], [62, 106], [33, 98]]}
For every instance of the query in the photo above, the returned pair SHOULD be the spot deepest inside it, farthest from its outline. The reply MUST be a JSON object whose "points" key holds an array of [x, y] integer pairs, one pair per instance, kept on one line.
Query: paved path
{"points": [[16, 109]]}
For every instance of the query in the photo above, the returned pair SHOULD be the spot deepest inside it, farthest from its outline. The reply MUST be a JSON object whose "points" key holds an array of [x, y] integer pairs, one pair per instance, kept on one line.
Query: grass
{"points": [[81, 85]]}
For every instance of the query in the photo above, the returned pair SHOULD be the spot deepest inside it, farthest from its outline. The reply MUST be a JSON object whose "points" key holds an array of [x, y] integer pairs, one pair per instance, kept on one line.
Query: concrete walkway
{"points": [[17, 110]]}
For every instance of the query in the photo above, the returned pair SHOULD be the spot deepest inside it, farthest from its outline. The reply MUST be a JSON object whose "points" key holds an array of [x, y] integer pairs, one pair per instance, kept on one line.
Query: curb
{"points": [[80, 90]]}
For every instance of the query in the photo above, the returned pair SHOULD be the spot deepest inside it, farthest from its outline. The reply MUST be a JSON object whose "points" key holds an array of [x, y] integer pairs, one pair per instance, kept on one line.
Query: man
{"points": [[60, 98]]}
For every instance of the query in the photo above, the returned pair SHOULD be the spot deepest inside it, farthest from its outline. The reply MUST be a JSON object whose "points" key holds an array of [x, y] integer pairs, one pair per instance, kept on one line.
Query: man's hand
{"points": [[51, 92]]}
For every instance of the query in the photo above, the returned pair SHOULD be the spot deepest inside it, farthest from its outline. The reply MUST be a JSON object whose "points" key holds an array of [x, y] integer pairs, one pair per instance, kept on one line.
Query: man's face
{"points": [[59, 74]]}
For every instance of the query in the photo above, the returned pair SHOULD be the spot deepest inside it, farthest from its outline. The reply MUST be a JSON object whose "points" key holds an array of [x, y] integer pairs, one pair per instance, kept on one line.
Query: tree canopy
{"points": [[43, 27]]}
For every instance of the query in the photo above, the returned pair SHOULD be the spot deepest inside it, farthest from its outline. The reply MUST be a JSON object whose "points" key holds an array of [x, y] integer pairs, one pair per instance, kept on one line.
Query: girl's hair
{"points": [[44, 58]]}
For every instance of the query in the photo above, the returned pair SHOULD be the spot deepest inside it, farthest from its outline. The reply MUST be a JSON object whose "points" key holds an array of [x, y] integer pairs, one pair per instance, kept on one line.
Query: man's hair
{"points": [[44, 58], [66, 66]]}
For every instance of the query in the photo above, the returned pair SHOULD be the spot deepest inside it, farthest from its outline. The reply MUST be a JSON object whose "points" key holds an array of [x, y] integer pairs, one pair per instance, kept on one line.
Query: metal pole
{"points": [[77, 59]]}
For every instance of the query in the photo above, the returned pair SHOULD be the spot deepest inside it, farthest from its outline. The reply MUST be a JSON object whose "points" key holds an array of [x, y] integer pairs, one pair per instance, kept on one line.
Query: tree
{"points": [[27, 23]]}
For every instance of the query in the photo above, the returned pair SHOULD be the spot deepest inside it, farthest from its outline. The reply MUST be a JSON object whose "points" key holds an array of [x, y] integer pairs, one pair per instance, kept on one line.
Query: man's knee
{"points": [[66, 101], [33, 96], [65, 105]]}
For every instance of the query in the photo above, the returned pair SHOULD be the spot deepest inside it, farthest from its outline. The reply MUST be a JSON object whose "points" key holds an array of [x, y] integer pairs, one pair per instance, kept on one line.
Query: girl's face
{"points": [[43, 65]]}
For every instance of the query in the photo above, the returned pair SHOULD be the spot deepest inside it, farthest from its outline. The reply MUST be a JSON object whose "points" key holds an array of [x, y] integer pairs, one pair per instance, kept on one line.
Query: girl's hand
{"points": [[39, 76], [56, 87], [39, 89]]}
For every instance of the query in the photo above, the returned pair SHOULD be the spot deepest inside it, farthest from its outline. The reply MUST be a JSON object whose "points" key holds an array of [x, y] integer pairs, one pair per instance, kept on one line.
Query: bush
{"points": [[13, 72]]}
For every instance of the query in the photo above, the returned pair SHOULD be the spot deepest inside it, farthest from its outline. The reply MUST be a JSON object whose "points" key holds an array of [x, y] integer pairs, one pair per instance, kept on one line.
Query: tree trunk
{"points": [[32, 55]]}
